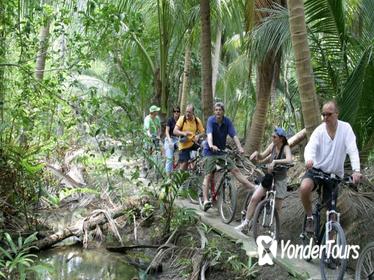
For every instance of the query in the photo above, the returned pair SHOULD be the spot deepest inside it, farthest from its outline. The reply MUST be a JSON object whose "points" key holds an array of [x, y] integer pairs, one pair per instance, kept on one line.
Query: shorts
{"points": [[185, 154], [329, 189], [211, 162]]}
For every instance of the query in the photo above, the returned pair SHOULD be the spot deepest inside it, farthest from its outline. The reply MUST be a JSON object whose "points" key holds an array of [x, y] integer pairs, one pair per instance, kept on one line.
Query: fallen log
{"points": [[124, 249], [91, 222]]}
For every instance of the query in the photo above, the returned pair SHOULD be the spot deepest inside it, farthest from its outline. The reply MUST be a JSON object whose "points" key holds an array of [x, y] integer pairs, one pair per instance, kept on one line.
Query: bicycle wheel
{"points": [[333, 263], [227, 200], [365, 264], [194, 188], [263, 222]]}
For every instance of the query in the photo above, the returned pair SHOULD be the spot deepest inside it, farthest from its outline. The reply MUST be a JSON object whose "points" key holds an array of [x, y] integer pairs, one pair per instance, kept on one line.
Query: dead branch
{"points": [[91, 222]]}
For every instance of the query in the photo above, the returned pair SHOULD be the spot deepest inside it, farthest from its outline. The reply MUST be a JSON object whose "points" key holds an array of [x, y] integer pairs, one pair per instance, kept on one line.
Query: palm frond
{"points": [[272, 34], [357, 99]]}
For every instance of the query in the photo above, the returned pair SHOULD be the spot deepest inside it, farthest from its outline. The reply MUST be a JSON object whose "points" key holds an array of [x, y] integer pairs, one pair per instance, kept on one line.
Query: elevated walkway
{"points": [[300, 269]]}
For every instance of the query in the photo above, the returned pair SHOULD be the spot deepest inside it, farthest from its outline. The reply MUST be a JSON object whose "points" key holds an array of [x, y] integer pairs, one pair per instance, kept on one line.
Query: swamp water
{"points": [[76, 263]]}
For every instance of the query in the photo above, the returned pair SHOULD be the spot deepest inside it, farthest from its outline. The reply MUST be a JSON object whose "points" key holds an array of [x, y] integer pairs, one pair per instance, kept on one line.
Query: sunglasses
{"points": [[326, 114], [176, 111]]}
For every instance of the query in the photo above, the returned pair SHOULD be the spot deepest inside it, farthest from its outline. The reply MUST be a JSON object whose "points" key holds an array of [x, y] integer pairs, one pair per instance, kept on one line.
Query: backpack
{"points": [[196, 122]]}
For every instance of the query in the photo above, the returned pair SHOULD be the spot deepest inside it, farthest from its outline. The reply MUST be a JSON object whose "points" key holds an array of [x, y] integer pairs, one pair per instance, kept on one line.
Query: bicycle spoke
{"points": [[264, 223], [333, 267], [367, 266]]}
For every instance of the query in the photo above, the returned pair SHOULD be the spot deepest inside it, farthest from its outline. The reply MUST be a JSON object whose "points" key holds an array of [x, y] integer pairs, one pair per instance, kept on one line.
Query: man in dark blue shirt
{"points": [[217, 129]]}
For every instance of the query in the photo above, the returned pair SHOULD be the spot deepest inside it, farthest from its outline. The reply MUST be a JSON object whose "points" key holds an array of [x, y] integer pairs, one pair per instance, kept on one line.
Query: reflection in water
{"points": [[84, 264]]}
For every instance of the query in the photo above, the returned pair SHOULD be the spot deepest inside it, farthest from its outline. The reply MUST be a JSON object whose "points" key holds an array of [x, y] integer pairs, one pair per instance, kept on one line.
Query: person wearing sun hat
{"points": [[278, 152], [152, 123]]}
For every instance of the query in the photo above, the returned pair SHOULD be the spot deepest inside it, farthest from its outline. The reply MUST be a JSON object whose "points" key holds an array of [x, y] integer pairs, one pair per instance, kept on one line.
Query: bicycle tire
{"points": [[340, 262], [258, 229], [365, 263], [194, 188], [227, 200]]}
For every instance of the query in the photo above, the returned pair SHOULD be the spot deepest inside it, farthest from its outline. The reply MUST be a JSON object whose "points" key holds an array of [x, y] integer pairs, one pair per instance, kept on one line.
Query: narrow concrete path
{"points": [[300, 269]]}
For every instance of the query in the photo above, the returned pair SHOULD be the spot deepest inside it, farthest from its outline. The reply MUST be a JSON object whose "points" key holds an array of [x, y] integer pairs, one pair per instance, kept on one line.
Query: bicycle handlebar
{"points": [[277, 165], [331, 177]]}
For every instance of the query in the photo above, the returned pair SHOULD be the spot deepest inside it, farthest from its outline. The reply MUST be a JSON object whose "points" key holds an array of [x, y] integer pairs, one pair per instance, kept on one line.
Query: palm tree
{"points": [[206, 60], [186, 76], [304, 72], [266, 70]]}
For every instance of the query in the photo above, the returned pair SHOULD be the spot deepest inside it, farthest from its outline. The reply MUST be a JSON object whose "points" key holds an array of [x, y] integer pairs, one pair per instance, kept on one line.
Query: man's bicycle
{"points": [[221, 191], [332, 265], [365, 263]]}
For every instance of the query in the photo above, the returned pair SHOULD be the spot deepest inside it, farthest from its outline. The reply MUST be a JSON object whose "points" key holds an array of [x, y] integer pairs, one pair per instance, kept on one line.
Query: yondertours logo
{"points": [[268, 248]]}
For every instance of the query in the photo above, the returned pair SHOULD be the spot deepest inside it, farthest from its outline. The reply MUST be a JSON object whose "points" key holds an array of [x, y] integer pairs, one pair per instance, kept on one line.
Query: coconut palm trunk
{"points": [[186, 77], [206, 60], [304, 72], [216, 57], [267, 70], [265, 74]]}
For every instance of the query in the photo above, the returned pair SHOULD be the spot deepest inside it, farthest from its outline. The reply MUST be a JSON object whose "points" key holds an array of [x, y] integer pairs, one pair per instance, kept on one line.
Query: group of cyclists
{"points": [[326, 151]]}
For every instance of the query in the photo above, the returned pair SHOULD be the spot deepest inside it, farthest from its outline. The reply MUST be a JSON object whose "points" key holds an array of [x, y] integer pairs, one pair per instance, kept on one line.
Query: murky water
{"points": [[74, 263]]}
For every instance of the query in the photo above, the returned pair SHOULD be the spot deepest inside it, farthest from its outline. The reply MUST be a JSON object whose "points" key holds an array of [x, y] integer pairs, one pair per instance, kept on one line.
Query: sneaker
{"points": [[309, 225], [207, 205], [243, 225]]}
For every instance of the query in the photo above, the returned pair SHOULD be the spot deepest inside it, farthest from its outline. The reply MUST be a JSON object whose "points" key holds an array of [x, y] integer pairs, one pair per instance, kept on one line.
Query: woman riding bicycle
{"points": [[278, 152]]}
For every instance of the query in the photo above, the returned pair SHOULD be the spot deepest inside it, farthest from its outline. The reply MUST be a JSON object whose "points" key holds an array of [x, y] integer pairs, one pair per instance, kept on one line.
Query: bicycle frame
{"points": [[270, 195], [213, 191], [331, 215]]}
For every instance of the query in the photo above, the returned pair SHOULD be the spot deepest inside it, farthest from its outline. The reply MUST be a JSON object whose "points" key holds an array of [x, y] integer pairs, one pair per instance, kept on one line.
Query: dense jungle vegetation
{"points": [[77, 78]]}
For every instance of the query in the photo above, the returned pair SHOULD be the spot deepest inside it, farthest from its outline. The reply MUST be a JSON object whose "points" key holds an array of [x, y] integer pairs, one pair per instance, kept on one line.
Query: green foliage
{"points": [[16, 259], [168, 193]]}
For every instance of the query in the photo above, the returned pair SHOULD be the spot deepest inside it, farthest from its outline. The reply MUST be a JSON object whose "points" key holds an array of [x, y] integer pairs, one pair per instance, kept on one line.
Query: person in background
{"points": [[171, 139], [190, 129], [152, 123], [152, 129]]}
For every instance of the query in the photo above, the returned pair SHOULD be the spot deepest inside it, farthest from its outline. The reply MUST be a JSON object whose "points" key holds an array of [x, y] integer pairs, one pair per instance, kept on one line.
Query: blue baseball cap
{"points": [[280, 132]]}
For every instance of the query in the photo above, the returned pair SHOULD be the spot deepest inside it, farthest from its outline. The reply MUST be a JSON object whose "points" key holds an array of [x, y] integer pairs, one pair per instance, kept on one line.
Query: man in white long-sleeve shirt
{"points": [[326, 151]]}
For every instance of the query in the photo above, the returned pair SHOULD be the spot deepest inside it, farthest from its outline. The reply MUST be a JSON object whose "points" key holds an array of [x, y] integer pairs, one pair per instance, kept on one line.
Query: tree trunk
{"points": [[206, 60], [265, 72], [304, 72], [186, 77], [42, 53], [216, 57], [164, 47], [297, 138], [156, 99], [2, 72]]}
